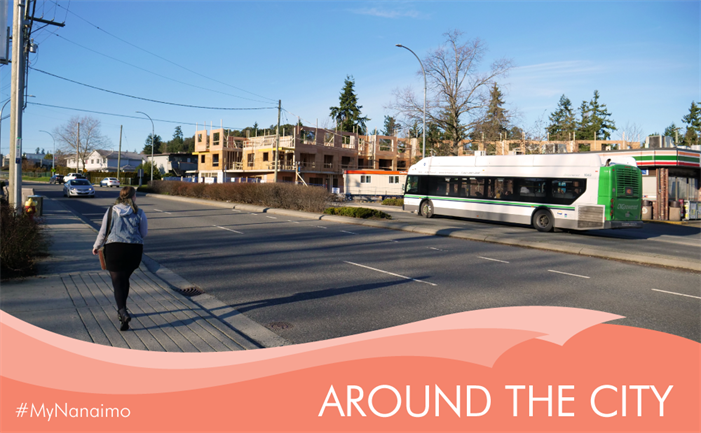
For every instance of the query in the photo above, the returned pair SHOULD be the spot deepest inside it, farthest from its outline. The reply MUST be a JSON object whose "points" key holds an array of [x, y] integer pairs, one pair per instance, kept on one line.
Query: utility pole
{"points": [[21, 44], [77, 152], [16, 104], [119, 155], [277, 137]]}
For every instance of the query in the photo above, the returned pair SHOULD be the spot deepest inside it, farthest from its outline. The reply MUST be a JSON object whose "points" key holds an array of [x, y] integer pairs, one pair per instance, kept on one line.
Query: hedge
{"points": [[357, 212], [276, 195], [393, 202]]}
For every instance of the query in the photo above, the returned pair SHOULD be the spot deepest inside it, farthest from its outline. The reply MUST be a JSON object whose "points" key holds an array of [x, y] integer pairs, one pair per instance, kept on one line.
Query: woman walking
{"points": [[123, 230]]}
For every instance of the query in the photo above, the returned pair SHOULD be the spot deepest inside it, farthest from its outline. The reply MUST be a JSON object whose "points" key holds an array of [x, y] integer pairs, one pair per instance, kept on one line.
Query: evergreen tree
{"points": [[585, 126], [673, 131], [392, 127], [415, 131], [693, 124], [157, 141], [495, 124], [601, 125], [347, 115], [562, 121]]}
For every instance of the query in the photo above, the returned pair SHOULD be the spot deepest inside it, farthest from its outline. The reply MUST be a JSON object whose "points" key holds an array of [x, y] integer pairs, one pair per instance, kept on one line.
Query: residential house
{"points": [[106, 161], [178, 163]]}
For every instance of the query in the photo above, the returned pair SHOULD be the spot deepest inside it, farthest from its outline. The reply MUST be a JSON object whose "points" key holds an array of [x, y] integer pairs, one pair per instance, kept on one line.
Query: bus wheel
{"points": [[427, 209], [543, 220]]}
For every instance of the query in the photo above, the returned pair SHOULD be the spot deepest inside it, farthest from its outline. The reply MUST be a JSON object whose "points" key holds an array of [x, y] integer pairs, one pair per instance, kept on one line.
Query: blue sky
{"points": [[643, 58]]}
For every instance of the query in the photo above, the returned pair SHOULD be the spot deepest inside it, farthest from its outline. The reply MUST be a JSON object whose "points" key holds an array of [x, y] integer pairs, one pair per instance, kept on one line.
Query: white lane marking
{"points": [[296, 222], [231, 230], [350, 233], [254, 214], [565, 273], [680, 294], [272, 218], [158, 210], [494, 260], [390, 273], [235, 210], [321, 227]]}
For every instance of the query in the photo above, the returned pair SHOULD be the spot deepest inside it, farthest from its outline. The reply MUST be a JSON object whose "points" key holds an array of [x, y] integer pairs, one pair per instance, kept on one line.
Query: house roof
{"points": [[111, 154]]}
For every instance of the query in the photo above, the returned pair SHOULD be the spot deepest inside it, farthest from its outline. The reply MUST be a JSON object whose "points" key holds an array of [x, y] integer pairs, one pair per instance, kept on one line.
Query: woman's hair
{"points": [[125, 197]]}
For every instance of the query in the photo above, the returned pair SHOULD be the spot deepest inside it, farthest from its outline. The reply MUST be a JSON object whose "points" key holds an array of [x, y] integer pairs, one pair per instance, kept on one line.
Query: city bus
{"points": [[570, 191]]}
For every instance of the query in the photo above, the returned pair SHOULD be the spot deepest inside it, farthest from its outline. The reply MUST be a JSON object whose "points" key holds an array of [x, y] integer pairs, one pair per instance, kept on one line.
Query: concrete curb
{"points": [[463, 234]]}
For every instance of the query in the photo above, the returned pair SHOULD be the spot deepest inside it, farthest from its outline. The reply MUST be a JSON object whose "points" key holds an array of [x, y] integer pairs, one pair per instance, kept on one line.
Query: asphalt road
{"points": [[310, 280]]}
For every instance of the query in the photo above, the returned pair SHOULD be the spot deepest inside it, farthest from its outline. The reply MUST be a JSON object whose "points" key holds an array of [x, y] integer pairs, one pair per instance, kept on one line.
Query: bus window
{"points": [[476, 187], [464, 187], [412, 185], [530, 189], [566, 191], [503, 188], [453, 186]]}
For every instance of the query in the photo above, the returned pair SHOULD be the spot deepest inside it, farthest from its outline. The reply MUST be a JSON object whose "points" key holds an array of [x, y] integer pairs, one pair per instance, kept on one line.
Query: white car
{"points": [[73, 176], [78, 188], [109, 181]]}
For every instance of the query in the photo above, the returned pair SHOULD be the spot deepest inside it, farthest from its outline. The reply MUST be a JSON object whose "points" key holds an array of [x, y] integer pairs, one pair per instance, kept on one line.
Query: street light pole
{"points": [[153, 140], [424, 72], [53, 155]]}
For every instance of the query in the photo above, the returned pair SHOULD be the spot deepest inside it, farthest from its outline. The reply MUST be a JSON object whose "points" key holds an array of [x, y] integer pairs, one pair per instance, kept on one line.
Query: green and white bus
{"points": [[570, 191]]}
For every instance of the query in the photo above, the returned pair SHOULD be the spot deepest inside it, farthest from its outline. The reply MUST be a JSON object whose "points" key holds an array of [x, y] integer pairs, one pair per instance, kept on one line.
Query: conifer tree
{"points": [[693, 124], [496, 120], [392, 127], [347, 115], [562, 121], [599, 124]]}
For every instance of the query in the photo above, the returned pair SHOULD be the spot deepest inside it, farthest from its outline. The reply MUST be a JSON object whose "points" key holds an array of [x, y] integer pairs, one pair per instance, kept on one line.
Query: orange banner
{"points": [[504, 369]]}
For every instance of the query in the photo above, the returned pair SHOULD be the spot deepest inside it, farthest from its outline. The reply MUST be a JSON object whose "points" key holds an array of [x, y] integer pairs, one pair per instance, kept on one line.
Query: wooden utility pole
{"points": [[21, 46], [119, 155], [77, 152], [277, 138], [16, 104]]}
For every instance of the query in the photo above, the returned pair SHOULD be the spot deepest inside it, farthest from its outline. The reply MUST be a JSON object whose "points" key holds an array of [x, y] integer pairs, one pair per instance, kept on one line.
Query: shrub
{"points": [[277, 195], [393, 202], [22, 241], [357, 212]]}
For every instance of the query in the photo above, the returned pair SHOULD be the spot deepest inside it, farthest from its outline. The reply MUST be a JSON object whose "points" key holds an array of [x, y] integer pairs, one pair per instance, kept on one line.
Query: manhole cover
{"points": [[191, 291], [279, 325]]}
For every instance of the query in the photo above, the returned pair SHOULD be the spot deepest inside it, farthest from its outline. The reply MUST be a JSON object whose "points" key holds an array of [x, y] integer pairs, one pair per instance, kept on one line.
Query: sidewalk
{"points": [[71, 296]]}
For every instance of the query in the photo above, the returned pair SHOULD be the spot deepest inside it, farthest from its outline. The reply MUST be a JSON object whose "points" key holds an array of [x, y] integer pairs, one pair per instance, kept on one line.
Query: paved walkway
{"points": [[71, 296]]}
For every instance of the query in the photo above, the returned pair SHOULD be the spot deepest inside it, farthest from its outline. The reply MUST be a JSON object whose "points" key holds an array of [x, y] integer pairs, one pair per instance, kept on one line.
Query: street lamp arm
{"points": [[153, 140], [424, 73]]}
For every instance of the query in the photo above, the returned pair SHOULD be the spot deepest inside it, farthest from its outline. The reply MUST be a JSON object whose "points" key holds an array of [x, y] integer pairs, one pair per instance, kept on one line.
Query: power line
{"points": [[120, 115], [155, 73], [160, 57], [147, 99]]}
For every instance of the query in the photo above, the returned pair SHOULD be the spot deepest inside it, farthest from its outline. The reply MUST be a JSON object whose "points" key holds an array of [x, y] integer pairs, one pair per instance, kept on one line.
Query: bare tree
{"points": [[631, 132], [459, 90], [81, 136]]}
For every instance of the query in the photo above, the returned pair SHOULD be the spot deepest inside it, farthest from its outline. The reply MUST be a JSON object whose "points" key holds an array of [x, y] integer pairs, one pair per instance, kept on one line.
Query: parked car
{"points": [[56, 179], [109, 181], [78, 188], [73, 176]]}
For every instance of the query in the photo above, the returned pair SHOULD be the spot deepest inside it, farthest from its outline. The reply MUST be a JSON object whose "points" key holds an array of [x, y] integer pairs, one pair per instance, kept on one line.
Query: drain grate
{"points": [[279, 325], [191, 291]]}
